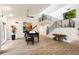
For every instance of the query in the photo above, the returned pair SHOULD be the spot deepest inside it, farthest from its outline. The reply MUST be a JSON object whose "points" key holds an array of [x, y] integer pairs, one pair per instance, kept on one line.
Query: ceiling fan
{"points": [[29, 16]]}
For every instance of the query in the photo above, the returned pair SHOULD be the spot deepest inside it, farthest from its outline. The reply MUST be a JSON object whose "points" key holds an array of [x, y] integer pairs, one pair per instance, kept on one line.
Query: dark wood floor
{"points": [[44, 47]]}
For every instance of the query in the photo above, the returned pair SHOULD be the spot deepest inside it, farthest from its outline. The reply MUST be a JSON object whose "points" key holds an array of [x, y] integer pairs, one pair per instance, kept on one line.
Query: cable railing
{"points": [[56, 24]]}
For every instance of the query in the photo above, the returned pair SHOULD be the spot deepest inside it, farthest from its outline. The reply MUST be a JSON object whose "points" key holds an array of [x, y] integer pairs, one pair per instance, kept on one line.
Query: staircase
{"points": [[56, 24]]}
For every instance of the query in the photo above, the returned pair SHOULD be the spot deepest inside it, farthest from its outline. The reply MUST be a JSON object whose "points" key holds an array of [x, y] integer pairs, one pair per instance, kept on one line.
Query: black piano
{"points": [[34, 34], [29, 36]]}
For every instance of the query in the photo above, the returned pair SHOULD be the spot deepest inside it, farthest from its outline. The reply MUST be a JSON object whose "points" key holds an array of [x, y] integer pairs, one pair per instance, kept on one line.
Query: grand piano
{"points": [[34, 34], [29, 35]]}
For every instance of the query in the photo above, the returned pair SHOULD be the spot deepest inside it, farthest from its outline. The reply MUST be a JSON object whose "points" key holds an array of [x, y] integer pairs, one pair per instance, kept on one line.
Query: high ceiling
{"points": [[19, 10]]}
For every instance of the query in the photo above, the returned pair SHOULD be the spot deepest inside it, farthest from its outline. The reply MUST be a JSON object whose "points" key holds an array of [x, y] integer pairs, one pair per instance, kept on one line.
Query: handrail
{"points": [[34, 27], [54, 25]]}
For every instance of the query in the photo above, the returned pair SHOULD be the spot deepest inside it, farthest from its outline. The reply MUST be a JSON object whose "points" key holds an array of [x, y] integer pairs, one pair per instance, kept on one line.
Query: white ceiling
{"points": [[19, 10], [53, 8]]}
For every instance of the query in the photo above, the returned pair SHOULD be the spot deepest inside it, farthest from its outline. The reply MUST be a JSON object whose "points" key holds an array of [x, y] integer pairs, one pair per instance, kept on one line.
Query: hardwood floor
{"points": [[44, 47]]}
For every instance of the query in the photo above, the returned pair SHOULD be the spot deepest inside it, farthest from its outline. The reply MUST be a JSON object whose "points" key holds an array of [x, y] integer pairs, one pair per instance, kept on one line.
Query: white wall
{"points": [[2, 30], [72, 33], [0, 34], [19, 26], [59, 13]]}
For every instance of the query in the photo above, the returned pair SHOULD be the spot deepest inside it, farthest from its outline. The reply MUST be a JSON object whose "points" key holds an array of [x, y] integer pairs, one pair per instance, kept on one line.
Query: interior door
{"points": [[3, 32]]}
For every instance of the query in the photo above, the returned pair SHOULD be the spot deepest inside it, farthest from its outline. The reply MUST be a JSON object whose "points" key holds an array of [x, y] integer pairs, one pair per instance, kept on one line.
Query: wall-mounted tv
{"points": [[70, 14]]}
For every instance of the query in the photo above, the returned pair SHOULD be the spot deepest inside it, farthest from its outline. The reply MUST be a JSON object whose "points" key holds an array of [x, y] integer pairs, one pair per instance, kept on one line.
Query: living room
{"points": [[44, 16]]}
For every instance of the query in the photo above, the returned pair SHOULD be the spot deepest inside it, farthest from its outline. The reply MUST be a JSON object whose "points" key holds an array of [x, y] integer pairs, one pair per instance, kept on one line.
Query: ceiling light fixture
{"points": [[7, 8]]}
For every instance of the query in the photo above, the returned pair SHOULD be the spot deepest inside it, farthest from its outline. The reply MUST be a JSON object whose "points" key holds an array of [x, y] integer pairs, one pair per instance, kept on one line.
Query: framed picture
{"points": [[27, 26]]}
